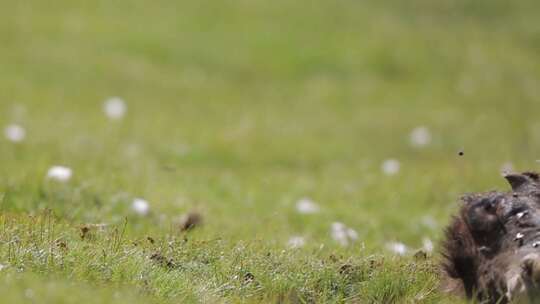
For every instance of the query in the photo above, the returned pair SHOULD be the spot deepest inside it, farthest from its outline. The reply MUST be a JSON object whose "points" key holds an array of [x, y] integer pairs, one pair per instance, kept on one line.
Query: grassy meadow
{"points": [[237, 110]]}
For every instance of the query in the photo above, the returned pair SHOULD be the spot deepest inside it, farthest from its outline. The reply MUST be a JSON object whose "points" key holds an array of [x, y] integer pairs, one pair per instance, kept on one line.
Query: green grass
{"points": [[237, 109]]}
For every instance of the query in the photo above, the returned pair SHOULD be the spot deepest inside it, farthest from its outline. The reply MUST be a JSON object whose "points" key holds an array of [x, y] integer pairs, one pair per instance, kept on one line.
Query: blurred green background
{"points": [[237, 109]]}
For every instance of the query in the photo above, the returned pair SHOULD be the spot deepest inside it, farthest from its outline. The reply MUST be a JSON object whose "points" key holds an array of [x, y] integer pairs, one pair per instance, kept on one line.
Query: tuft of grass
{"points": [[179, 268]]}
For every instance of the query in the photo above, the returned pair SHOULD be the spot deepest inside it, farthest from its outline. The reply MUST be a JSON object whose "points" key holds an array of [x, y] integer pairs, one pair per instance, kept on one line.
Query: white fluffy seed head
{"points": [[343, 234], [115, 108], [390, 167], [140, 206], [420, 136], [427, 244], [307, 206], [397, 248], [296, 242], [352, 234], [59, 173], [340, 237], [339, 234], [15, 133]]}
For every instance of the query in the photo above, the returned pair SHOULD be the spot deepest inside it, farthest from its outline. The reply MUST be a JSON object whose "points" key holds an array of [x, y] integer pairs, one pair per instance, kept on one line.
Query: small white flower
{"points": [[339, 233], [296, 242], [420, 136], [390, 167], [115, 108], [307, 206], [59, 173], [352, 234], [15, 133], [507, 167], [427, 244], [342, 234], [338, 226], [140, 206], [397, 248], [2, 266]]}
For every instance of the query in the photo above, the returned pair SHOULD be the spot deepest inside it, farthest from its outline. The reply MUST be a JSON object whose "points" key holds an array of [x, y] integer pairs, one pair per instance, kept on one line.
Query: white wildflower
{"points": [[427, 245], [352, 234], [339, 233], [296, 242], [59, 173], [15, 133], [140, 206], [307, 206], [420, 136], [342, 234], [115, 108], [397, 248], [390, 167]]}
